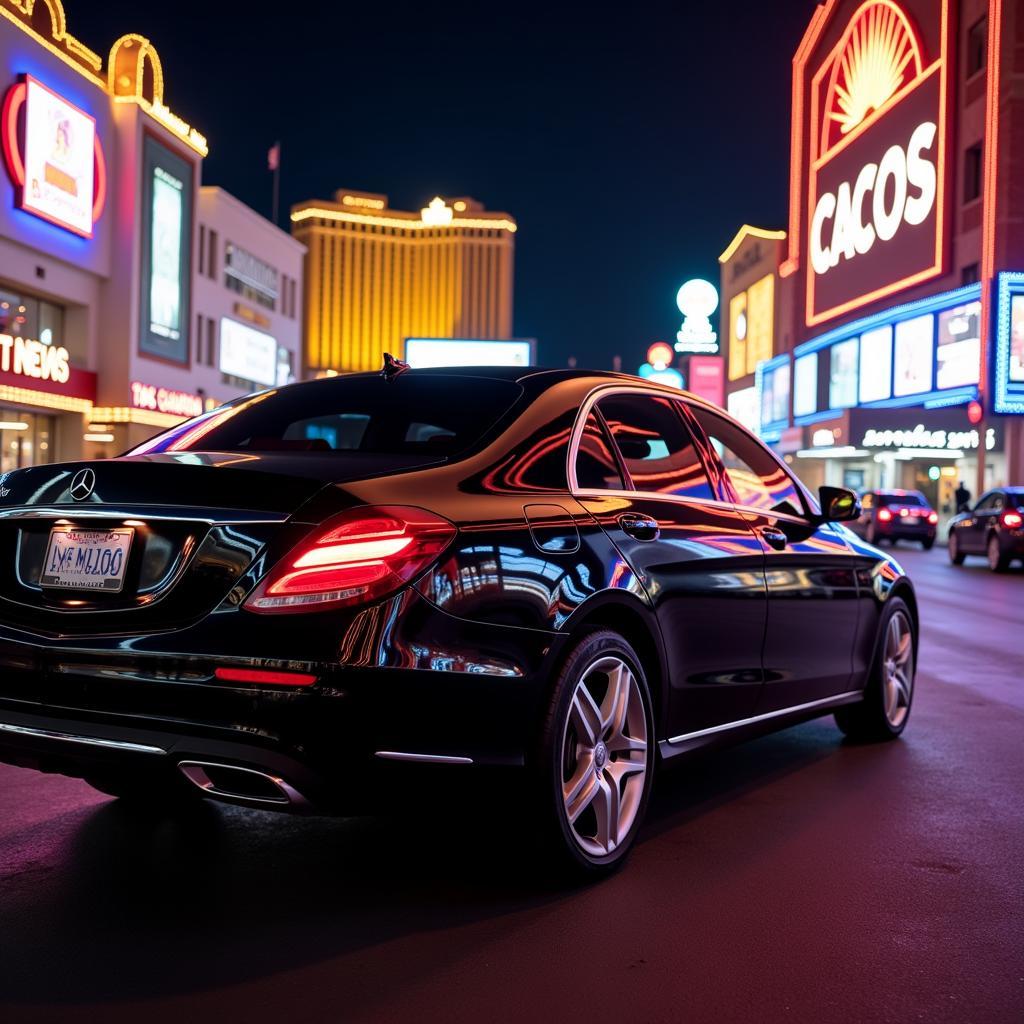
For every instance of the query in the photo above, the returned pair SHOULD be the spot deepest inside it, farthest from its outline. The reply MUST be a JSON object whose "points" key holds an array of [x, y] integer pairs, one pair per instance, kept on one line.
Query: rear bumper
{"points": [[412, 690]]}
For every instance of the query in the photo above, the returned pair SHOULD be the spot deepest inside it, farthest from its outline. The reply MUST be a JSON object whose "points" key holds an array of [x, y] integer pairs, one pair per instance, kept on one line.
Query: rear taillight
{"points": [[361, 555], [933, 517], [1012, 520], [884, 515]]}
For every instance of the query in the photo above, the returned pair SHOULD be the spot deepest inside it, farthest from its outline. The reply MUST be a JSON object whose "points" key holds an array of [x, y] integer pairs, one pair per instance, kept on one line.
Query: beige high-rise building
{"points": [[375, 276]]}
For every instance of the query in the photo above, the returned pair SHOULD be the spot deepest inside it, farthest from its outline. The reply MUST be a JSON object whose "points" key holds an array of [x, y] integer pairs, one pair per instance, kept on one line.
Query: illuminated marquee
{"points": [[157, 399], [53, 156], [26, 357], [876, 163]]}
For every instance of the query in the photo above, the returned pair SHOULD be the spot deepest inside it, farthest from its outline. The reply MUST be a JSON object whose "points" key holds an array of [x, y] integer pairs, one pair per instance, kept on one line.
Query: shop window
{"points": [[972, 172], [25, 316], [26, 439], [977, 47]]}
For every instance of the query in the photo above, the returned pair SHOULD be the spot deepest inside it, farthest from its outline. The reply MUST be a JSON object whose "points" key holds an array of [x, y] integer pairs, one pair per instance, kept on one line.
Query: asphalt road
{"points": [[798, 878]]}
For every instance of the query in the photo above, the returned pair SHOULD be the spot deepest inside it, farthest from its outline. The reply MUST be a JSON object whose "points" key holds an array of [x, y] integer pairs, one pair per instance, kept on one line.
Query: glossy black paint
{"points": [[735, 611], [975, 528]]}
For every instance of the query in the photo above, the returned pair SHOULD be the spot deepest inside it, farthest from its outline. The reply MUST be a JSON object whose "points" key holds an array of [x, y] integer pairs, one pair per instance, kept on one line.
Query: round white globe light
{"points": [[698, 298]]}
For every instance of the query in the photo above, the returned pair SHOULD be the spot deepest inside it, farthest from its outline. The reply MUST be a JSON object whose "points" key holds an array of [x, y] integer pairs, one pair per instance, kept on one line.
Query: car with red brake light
{"points": [[993, 529], [388, 589], [891, 515]]}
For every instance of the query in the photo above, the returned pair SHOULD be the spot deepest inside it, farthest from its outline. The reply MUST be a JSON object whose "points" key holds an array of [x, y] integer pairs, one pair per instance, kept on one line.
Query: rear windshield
{"points": [[910, 498], [437, 415]]}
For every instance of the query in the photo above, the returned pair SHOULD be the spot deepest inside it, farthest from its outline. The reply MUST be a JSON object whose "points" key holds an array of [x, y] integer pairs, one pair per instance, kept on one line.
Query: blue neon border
{"points": [[772, 431], [933, 399], [1007, 395]]}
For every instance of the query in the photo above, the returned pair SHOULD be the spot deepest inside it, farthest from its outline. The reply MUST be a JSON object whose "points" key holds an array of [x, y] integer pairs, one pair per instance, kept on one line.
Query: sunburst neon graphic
{"points": [[879, 56]]}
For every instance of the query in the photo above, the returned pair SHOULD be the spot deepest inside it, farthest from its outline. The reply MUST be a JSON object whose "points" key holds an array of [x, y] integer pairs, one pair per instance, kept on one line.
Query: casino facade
{"points": [[130, 295], [878, 338]]}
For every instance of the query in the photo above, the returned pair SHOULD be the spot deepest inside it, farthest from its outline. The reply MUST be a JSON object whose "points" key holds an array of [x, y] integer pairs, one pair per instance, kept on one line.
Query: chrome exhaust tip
{"points": [[246, 785]]}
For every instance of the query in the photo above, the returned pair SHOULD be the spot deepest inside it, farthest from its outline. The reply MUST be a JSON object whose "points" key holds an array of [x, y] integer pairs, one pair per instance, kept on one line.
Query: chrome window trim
{"points": [[91, 741], [838, 698], [402, 755]]}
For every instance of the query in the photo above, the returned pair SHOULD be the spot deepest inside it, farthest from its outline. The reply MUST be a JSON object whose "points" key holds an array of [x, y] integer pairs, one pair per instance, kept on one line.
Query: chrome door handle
{"points": [[639, 527], [773, 537]]}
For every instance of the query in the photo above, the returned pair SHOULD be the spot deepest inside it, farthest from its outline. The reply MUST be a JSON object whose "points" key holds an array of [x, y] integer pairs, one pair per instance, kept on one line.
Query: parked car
{"points": [[994, 528], [334, 595], [896, 515]]}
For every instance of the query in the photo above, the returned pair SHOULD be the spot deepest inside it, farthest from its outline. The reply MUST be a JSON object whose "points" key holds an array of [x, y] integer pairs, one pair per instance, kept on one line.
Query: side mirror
{"points": [[838, 505]]}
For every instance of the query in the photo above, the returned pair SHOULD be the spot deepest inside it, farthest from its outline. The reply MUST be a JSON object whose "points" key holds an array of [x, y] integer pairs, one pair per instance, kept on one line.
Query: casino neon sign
{"points": [[876, 168], [53, 156]]}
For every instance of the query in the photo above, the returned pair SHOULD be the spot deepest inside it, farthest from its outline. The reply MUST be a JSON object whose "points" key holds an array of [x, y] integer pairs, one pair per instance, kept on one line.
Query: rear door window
{"points": [[596, 465], [656, 446]]}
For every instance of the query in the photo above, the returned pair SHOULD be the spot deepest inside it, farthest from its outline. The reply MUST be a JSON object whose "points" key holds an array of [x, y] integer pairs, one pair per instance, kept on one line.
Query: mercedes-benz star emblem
{"points": [[82, 484]]}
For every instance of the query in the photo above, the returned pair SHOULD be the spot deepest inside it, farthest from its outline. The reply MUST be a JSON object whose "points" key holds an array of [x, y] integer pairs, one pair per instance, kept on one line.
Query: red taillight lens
{"points": [[884, 515], [933, 517], [361, 555], [1012, 520], [262, 676]]}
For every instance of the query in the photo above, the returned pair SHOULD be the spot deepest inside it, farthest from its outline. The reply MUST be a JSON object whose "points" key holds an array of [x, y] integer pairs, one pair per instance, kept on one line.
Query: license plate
{"points": [[87, 559]]}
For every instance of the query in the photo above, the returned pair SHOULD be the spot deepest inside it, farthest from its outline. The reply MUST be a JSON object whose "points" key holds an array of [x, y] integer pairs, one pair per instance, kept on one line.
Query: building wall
{"points": [[375, 276]]}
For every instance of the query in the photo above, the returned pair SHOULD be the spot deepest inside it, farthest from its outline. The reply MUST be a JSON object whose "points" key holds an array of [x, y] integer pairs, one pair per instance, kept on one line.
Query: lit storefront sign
{"points": [[697, 300], [158, 399], [32, 373], [53, 156], [751, 327], [742, 405], [922, 437], [706, 377], [250, 275], [922, 353], [876, 166], [426, 352], [1008, 371], [247, 353], [29, 358], [166, 252], [658, 367]]}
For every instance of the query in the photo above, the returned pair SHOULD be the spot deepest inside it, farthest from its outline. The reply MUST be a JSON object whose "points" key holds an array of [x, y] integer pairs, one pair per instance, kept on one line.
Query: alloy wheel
{"points": [[604, 756], [898, 668]]}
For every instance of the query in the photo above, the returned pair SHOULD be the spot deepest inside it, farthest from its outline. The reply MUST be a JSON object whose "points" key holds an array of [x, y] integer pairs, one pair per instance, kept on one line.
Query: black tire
{"points": [[560, 757], [997, 561], [146, 789], [928, 544], [867, 720], [956, 556]]}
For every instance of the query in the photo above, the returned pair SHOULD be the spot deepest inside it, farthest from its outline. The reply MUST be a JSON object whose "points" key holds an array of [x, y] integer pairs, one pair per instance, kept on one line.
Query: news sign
{"points": [[877, 174]]}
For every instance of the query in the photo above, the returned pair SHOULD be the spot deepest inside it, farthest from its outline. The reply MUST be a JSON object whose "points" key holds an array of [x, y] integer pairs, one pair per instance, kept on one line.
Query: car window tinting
{"points": [[756, 478], [596, 465], [656, 446], [436, 415], [911, 498]]}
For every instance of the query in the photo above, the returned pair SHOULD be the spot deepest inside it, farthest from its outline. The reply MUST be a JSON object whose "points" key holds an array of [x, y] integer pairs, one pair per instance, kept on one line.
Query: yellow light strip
{"points": [[25, 396], [126, 414], [749, 229], [364, 201], [413, 223], [95, 78]]}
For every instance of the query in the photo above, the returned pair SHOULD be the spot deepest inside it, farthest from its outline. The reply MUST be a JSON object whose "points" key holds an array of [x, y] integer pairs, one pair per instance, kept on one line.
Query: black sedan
{"points": [[374, 589], [994, 528], [896, 515]]}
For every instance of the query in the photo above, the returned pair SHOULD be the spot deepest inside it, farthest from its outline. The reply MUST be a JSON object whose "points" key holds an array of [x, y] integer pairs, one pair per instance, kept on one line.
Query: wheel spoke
{"points": [[585, 716], [580, 790], [616, 701], [902, 687], [621, 770], [621, 743], [607, 808], [903, 648]]}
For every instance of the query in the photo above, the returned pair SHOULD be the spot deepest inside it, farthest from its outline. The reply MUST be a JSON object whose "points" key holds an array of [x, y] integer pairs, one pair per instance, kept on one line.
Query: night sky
{"points": [[628, 148]]}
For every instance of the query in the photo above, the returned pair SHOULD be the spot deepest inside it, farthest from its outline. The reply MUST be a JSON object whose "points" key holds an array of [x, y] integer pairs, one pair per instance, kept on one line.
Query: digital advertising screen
{"points": [[59, 158], [913, 355], [247, 353], [775, 395], [166, 252], [876, 364], [842, 390], [958, 348], [805, 385], [1016, 368], [426, 352]]}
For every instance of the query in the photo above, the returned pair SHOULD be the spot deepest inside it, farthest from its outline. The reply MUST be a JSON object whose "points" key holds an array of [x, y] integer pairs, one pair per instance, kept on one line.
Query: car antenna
{"points": [[392, 367]]}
